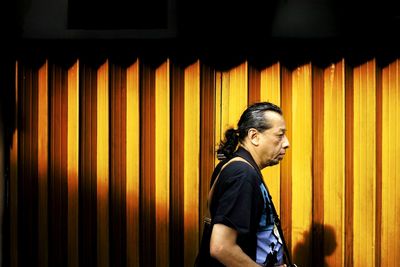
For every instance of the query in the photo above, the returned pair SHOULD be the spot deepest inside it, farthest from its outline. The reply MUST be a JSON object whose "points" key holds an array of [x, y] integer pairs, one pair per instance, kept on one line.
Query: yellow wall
{"points": [[341, 214]]}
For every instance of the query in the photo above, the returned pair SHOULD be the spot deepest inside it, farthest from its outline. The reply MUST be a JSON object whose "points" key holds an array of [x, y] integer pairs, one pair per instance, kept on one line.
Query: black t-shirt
{"points": [[237, 200]]}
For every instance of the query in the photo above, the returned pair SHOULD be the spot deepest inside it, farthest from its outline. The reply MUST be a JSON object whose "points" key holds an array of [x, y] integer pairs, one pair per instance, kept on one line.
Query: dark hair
{"points": [[252, 117]]}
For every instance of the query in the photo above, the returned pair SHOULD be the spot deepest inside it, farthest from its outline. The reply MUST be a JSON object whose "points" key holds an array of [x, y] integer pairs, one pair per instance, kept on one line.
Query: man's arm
{"points": [[223, 247]]}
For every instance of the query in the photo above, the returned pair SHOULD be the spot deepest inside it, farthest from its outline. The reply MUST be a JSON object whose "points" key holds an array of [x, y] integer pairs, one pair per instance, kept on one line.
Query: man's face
{"points": [[273, 142]]}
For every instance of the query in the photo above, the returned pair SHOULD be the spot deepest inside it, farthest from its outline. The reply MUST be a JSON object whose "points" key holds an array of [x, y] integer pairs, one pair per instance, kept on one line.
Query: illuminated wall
{"points": [[110, 162]]}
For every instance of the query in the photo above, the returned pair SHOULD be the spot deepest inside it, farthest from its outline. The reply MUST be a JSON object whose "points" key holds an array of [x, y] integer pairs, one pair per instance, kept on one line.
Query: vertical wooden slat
{"points": [[162, 156], [43, 165], [207, 137], [254, 85], [147, 184], [219, 129], [390, 245], [132, 165], [301, 170], [73, 165], [102, 159], [22, 159], [231, 100], [286, 165], [270, 90], [14, 178], [334, 164], [234, 96], [87, 165], [378, 206], [117, 152], [28, 175], [364, 164], [349, 166], [58, 194], [177, 250], [55, 169], [271, 84], [191, 162], [318, 115]]}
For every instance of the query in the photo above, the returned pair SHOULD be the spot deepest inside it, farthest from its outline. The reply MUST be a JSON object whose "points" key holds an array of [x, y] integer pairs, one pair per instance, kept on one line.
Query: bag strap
{"points": [[211, 192], [277, 222]]}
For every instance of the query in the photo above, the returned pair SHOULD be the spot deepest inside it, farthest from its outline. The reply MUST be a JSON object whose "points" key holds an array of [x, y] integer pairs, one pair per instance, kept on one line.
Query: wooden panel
{"points": [[318, 105], [234, 96], [334, 164], [103, 166], [390, 245], [301, 169], [117, 170], [177, 166], [349, 159], [364, 164], [58, 194], [286, 164], [132, 166], [231, 99], [191, 163], [117, 180], [207, 136], [254, 85], [270, 90], [162, 154], [87, 165], [219, 129], [271, 84], [27, 180], [378, 132], [43, 148], [14, 178], [147, 168], [73, 164]]}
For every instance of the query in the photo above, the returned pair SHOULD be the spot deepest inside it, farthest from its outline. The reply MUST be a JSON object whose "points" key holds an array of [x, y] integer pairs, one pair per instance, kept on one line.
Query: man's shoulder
{"points": [[240, 171]]}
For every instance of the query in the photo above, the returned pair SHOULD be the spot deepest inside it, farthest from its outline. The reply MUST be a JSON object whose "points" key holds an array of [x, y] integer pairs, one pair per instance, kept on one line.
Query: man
{"points": [[244, 233]]}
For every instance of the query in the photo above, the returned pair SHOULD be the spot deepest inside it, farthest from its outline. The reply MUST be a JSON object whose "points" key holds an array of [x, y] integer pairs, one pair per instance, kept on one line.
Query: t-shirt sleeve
{"points": [[236, 197]]}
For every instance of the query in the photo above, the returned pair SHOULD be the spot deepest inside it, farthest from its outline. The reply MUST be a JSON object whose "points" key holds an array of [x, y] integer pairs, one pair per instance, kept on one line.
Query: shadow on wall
{"points": [[318, 243]]}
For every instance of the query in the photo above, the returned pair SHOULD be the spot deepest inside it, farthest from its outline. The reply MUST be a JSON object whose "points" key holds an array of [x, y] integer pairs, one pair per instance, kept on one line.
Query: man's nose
{"points": [[286, 144]]}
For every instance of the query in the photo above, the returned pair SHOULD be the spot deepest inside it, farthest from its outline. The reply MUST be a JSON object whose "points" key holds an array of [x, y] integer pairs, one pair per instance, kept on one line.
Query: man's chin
{"points": [[273, 162]]}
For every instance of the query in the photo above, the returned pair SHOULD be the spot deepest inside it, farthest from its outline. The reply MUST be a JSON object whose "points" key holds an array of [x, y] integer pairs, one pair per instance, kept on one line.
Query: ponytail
{"points": [[228, 146]]}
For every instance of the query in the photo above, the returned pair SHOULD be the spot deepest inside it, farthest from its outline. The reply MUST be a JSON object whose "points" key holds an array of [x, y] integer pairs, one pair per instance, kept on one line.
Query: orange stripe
{"points": [[207, 136], [147, 200], [349, 185], [43, 165], [318, 167], [162, 162], [73, 165], [286, 164], [132, 165], [191, 161], [103, 244]]}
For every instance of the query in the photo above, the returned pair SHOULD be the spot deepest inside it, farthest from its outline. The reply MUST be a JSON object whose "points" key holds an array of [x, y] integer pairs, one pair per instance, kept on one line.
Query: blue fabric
{"points": [[268, 240]]}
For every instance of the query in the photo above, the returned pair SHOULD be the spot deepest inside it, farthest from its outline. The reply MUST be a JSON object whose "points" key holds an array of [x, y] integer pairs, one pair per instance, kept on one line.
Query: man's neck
{"points": [[252, 152]]}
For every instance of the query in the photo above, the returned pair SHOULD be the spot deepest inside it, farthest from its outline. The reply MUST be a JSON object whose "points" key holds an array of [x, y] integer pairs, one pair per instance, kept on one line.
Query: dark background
{"points": [[281, 28]]}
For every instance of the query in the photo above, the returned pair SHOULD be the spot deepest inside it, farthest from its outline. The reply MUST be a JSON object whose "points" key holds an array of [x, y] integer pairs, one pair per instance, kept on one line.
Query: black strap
{"points": [[278, 225]]}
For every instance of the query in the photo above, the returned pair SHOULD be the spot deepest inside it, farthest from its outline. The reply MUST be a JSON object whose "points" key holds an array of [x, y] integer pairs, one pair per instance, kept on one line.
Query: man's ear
{"points": [[253, 136]]}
